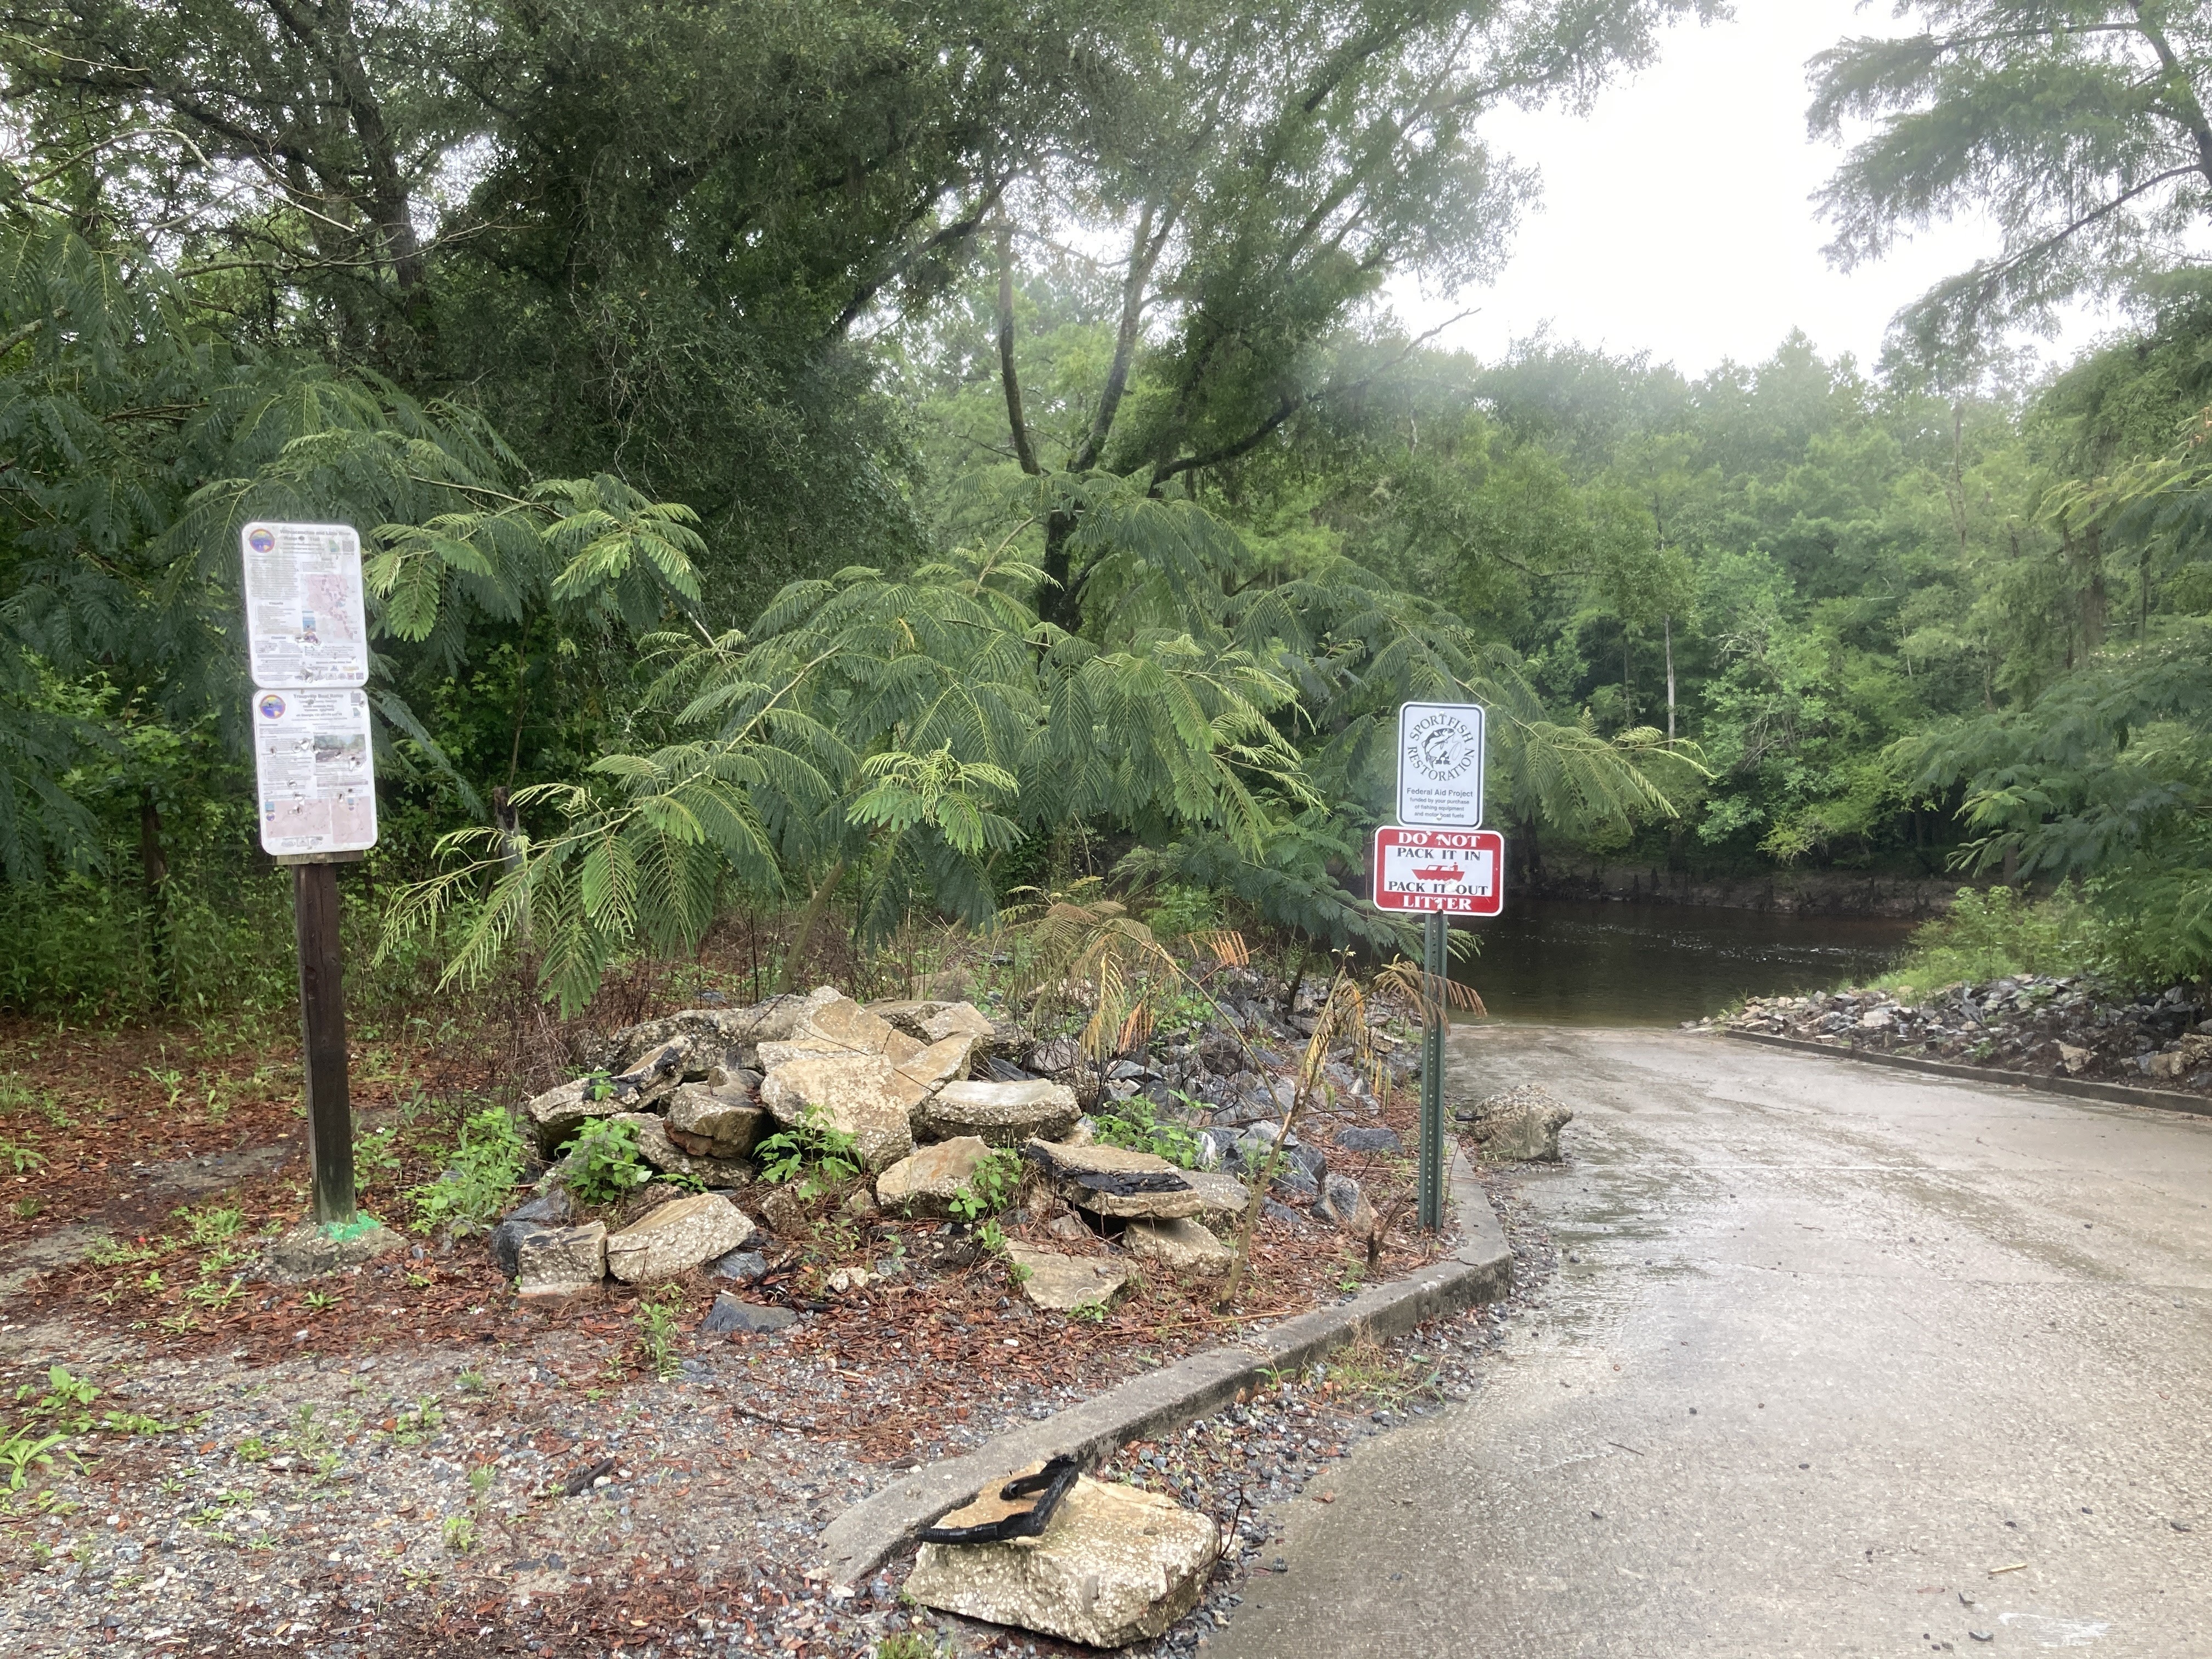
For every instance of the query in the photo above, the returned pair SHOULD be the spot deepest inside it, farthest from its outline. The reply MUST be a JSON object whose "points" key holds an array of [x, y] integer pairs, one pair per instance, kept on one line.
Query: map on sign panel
{"points": [[1440, 758], [305, 619], [314, 770]]}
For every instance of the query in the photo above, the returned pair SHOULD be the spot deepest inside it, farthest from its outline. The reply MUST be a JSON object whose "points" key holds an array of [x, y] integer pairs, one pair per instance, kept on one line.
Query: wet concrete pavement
{"points": [[1829, 1348]]}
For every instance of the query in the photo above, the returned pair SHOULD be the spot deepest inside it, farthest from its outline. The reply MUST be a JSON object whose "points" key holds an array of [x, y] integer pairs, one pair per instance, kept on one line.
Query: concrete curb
{"points": [[866, 1536], [2165, 1099]]}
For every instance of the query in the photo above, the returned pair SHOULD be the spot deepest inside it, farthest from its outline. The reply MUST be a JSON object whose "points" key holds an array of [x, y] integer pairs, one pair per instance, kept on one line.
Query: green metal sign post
{"points": [[1436, 936]]}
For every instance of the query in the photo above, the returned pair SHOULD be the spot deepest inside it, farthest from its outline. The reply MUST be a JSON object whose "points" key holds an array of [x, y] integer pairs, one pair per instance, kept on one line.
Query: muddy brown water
{"points": [[1571, 962]]}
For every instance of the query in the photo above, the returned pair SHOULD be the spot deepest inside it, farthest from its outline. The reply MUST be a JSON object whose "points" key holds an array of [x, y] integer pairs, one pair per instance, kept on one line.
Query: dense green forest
{"points": [[852, 462]]}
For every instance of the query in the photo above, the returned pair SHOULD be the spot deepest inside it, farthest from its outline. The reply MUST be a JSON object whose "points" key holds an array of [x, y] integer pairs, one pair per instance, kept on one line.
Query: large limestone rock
{"points": [[1060, 1283], [1004, 1114], [1182, 1246], [845, 1026], [1522, 1124], [726, 1036], [926, 1182], [1117, 1564], [861, 1095], [561, 1260], [561, 1112], [678, 1237], [714, 1122], [933, 1022], [1139, 1186], [658, 1148], [931, 1068]]}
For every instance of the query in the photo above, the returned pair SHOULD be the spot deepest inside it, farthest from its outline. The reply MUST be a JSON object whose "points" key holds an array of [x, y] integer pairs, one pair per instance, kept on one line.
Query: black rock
{"points": [[553, 1207], [1292, 1181], [728, 1313], [1281, 1213], [743, 1266], [1370, 1140]]}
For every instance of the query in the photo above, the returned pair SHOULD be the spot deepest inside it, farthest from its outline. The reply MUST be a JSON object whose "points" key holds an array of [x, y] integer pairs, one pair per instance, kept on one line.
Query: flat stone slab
{"points": [[940, 1063], [1061, 1284], [926, 1182], [1117, 1564], [1004, 1114], [1138, 1186], [1182, 1246], [933, 1022], [861, 1095], [676, 1237], [731, 1314]]}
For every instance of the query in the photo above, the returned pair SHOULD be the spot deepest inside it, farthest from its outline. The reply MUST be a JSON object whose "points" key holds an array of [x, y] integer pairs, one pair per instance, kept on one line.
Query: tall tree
{"points": [[2080, 126], [1263, 172]]}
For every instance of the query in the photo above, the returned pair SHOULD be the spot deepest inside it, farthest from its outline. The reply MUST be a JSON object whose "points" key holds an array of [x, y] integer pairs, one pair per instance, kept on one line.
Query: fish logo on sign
{"points": [[1440, 764]]}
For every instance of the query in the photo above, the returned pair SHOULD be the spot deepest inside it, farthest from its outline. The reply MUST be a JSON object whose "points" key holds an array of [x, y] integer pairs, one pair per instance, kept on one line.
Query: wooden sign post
{"points": [[323, 1037], [315, 775]]}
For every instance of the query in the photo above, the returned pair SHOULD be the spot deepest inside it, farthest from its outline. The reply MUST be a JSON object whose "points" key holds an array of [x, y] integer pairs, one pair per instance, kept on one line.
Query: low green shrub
{"points": [[480, 1176], [1134, 1124], [1997, 934], [605, 1163]]}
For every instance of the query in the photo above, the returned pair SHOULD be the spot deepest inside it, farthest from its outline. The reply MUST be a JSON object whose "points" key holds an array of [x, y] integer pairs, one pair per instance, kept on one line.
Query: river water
{"points": [[1568, 961]]}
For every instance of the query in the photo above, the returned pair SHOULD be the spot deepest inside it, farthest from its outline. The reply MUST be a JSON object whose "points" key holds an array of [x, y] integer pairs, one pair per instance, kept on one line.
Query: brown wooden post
{"points": [[323, 1040]]}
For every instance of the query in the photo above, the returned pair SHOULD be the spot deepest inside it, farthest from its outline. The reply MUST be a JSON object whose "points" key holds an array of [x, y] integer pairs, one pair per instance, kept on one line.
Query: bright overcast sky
{"points": [[1675, 216]]}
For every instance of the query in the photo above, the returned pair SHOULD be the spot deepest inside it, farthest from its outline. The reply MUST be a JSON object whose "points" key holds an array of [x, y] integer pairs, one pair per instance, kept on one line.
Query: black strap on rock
{"points": [[1128, 1183], [1049, 1484]]}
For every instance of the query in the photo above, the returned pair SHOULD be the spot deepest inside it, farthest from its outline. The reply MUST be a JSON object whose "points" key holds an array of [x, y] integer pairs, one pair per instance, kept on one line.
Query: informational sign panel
{"points": [[1456, 873], [1440, 756], [314, 769], [305, 621]]}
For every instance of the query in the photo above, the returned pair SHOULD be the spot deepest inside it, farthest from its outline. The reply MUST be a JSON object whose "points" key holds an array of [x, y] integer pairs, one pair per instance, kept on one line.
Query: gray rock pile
{"points": [[2052, 1027], [929, 1090]]}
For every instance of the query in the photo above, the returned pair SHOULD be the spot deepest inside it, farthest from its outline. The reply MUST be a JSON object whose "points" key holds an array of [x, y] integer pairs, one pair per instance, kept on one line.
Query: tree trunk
{"points": [[809, 920], [2095, 600], [1627, 695], [153, 872], [1059, 604], [1667, 623]]}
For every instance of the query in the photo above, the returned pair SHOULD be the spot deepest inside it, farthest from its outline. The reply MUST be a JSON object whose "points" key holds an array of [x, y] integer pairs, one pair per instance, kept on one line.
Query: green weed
{"points": [[1134, 1123], [605, 1165], [212, 1225], [21, 1155], [658, 1335], [822, 1154], [991, 1187], [480, 1175]]}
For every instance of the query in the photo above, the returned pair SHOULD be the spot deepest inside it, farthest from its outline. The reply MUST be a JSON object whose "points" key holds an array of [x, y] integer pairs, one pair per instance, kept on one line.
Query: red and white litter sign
{"points": [[1460, 873]]}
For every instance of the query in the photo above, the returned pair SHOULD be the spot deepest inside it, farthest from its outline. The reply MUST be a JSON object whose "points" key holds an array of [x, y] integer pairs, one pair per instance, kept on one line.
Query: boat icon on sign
{"points": [[1446, 873]]}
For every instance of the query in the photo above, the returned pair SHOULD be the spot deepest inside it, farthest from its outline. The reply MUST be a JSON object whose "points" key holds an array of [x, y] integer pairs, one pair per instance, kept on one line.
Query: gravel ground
{"points": [[525, 1490]]}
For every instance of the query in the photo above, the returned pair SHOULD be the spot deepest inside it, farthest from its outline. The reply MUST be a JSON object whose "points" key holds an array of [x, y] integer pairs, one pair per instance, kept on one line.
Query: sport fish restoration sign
{"points": [[1453, 873], [1440, 760]]}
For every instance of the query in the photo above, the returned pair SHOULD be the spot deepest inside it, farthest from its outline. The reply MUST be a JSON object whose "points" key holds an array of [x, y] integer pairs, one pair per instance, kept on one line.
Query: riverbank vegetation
{"points": [[827, 479]]}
